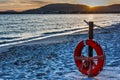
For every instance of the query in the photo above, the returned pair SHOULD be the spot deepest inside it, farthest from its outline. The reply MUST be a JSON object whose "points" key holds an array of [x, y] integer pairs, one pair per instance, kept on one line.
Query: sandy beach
{"points": [[52, 58]]}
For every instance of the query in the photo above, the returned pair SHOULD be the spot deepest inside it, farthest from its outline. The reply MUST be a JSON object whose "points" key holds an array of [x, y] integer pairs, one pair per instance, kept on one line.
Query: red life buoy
{"points": [[87, 65]]}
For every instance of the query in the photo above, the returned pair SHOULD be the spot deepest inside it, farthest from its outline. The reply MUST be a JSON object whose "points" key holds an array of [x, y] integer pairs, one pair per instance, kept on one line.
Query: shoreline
{"points": [[46, 40]]}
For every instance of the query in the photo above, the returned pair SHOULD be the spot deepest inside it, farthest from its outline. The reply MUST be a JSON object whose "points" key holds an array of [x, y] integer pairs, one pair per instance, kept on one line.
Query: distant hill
{"points": [[60, 8], [115, 8], [70, 9], [8, 11]]}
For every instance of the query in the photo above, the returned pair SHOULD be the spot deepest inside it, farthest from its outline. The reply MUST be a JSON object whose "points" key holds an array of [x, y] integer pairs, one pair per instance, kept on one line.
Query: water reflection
{"points": [[90, 17]]}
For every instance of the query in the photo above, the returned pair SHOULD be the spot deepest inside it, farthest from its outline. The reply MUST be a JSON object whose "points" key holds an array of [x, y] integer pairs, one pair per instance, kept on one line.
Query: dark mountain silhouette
{"points": [[115, 8], [8, 11], [59, 8], [70, 8]]}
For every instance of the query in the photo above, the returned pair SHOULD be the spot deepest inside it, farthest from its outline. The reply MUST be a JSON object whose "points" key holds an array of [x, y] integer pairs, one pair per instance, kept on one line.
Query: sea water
{"points": [[24, 27]]}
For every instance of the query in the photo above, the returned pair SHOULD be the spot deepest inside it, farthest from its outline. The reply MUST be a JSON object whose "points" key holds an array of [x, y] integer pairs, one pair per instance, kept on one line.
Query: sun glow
{"points": [[90, 17], [91, 6]]}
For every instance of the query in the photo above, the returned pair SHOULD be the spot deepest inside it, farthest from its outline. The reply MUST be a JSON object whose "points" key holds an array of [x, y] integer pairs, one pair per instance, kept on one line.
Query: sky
{"points": [[20, 5]]}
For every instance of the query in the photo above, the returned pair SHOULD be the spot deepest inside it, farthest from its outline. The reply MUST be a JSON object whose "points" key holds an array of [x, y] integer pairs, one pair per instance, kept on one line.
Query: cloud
{"points": [[4, 1], [20, 5], [22, 2], [113, 1], [38, 2], [31, 1]]}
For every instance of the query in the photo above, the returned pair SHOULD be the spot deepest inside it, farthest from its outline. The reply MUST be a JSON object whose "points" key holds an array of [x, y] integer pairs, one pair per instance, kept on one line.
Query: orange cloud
{"points": [[20, 5]]}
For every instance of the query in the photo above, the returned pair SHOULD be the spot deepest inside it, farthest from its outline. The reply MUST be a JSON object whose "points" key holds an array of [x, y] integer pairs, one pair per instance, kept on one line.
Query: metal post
{"points": [[90, 49]]}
